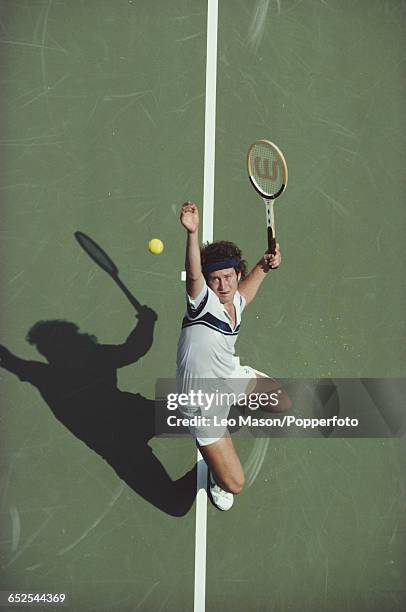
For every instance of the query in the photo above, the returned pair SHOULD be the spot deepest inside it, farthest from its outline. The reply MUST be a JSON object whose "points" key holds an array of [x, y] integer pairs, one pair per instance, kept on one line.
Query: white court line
{"points": [[200, 536], [207, 236], [210, 121]]}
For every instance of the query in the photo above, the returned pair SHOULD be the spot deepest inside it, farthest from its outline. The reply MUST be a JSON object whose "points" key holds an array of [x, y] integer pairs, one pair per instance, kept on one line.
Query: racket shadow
{"points": [[79, 384], [104, 261]]}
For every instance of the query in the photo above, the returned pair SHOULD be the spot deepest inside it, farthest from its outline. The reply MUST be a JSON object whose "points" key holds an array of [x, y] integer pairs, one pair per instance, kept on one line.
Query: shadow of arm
{"points": [[138, 342], [29, 371]]}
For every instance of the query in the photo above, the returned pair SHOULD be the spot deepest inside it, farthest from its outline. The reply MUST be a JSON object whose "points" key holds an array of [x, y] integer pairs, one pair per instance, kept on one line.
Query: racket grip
{"points": [[271, 242]]}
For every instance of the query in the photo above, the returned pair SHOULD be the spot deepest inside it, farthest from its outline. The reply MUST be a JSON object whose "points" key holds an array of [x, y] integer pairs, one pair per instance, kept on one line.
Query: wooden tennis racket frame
{"points": [[268, 198]]}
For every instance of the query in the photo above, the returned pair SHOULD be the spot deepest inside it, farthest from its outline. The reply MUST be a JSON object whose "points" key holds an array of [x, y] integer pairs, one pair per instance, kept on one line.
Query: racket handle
{"points": [[131, 298], [271, 242]]}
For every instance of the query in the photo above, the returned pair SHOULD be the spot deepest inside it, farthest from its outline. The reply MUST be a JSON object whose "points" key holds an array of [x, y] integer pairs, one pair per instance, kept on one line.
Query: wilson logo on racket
{"points": [[265, 173]]}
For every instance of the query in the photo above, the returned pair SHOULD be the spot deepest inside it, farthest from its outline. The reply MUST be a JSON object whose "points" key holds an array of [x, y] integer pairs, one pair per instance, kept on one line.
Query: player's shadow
{"points": [[79, 384]]}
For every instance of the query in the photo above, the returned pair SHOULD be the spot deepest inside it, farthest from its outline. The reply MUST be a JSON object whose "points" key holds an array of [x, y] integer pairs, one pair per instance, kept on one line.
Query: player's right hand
{"points": [[189, 217]]}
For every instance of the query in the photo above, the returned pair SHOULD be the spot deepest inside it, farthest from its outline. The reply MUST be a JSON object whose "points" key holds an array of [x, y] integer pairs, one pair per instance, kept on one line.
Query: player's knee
{"points": [[236, 484], [238, 487], [239, 484], [283, 406], [284, 403]]}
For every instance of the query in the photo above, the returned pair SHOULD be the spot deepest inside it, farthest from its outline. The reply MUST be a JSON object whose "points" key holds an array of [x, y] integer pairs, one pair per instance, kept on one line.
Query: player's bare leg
{"points": [[224, 464], [269, 386]]}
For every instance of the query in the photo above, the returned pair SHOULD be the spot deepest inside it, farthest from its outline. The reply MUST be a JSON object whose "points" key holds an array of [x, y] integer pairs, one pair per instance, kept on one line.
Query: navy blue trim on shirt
{"points": [[211, 321], [194, 312]]}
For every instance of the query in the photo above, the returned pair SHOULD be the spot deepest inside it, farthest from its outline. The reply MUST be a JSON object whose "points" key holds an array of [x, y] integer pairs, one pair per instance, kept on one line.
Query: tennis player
{"points": [[218, 290]]}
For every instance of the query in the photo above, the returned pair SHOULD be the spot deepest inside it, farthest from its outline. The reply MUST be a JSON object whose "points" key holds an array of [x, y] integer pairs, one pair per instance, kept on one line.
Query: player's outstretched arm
{"points": [[138, 342], [30, 371], [189, 218], [252, 282]]}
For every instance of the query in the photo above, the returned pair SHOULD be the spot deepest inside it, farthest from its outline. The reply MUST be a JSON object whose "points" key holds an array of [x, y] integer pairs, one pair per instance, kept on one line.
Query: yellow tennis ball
{"points": [[155, 246]]}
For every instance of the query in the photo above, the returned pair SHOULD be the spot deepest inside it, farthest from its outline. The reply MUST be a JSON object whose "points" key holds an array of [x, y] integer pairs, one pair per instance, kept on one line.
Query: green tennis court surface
{"points": [[102, 115]]}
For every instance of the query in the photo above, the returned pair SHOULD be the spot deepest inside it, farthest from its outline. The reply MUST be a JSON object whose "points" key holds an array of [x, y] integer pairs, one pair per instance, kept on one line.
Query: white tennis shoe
{"points": [[220, 498]]}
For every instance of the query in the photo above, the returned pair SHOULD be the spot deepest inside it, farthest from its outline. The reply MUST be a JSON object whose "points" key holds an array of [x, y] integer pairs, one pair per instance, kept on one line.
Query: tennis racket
{"points": [[268, 173], [103, 260]]}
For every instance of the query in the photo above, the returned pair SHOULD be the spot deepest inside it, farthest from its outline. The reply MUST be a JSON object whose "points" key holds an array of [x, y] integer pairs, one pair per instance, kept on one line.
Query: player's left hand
{"points": [[146, 313], [271, 262]]}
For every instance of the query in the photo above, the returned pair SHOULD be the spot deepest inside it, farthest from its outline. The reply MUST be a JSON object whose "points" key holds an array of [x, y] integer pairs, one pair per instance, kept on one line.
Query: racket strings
{"points": [[266, 169]]}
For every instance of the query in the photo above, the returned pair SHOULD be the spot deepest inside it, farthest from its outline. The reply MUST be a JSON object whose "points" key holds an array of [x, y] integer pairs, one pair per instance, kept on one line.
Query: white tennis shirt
{"points": [[207, 340]]}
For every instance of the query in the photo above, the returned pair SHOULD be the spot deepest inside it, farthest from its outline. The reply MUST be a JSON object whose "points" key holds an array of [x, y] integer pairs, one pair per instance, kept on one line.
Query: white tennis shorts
{"points": [[208, 435]]}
